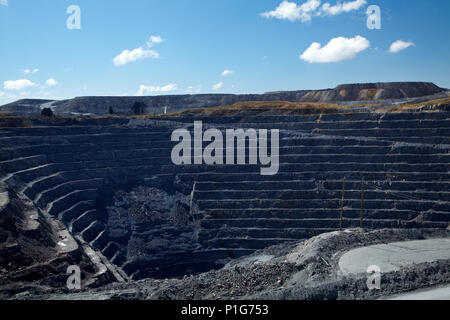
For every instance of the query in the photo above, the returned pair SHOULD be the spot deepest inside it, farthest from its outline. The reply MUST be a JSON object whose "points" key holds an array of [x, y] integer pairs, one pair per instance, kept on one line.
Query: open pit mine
{"points": [[94, 187]]}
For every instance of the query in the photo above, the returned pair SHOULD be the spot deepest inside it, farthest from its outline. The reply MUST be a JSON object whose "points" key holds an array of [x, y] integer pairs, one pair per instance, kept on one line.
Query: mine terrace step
{"points": [[10, 154], [199, 175], [76, 210], [49, 195], [83, 221], [419, 206], [288, 138], [50, 168], [326, 184], [295, 223], [284, 159], [414, 131], [246, 243], [375, 176], [67, 201], [319, 213], [261, 233], [322, 194], [92, 231]]}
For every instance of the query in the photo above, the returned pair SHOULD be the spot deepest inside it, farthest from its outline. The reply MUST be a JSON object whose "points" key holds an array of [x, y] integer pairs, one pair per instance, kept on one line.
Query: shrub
{"points": [[47, 112]]}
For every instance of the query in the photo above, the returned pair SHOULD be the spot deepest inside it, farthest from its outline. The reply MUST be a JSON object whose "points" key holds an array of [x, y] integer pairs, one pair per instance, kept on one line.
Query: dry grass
{"points": [[11, 121], [367, 105], [406, 107], [284, 108]]}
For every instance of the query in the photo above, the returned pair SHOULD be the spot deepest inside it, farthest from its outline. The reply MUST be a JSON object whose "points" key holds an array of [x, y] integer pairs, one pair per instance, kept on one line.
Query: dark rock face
{"points": [[33, 249], [146, 227], [174, 103]]}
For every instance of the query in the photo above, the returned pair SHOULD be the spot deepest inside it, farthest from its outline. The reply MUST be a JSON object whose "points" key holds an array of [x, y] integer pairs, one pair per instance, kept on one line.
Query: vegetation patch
{"points": [[10, 121], [281, 107]]}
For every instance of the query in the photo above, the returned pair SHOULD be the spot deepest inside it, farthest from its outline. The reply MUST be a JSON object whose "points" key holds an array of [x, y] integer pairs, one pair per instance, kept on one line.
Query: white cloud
{"points": [[400, 45], [128, 56], [286, 10], [51, 82], [2, 94], [4, 2], [337, 49], [30, 71], [44, 93], [154, 40], [218, 86], [227, 73], [143, 90], [139, 53], [18, 84], [192, 89], [339, 8], [292, 11]]}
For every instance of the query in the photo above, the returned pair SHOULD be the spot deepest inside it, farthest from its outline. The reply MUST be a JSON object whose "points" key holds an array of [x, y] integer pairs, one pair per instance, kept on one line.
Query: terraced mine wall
{"points": [[114, 186]]}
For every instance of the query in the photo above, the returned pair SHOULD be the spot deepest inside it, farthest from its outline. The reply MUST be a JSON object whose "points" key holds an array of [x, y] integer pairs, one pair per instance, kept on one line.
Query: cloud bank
{"points": [[154, 40], [144, 90], [128, 56], [344, 7], [51, 82], [227, 73], [218, 86], [400, 45], [311, 8], [337, 49], [30, 71], [18, 84]]}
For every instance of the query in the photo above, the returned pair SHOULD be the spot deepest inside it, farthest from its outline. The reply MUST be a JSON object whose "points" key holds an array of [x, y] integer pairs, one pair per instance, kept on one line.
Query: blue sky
{"points": [[265, 45]]}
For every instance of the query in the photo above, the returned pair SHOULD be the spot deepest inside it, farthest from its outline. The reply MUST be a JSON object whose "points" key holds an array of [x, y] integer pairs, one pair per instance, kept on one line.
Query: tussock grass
{"points": [[281, 107], [11, 121], [367, 105]]}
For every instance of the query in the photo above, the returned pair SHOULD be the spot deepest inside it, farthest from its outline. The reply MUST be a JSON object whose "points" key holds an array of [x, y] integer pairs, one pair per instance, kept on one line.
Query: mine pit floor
{"points": [[394, 256]]}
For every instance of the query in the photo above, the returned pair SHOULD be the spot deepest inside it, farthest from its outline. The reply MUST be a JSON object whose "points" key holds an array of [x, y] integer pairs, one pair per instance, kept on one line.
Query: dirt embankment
{"points": [[306, 270]]}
